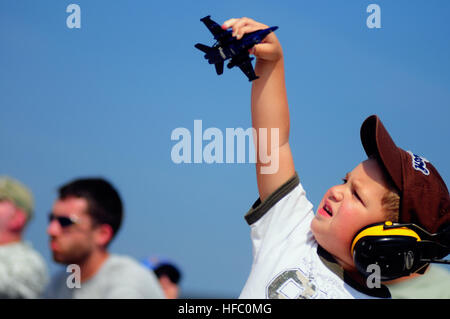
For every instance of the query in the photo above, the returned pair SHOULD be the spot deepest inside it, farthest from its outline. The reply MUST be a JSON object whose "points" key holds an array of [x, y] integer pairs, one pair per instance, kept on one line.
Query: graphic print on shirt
{"points": [[291, 284]]}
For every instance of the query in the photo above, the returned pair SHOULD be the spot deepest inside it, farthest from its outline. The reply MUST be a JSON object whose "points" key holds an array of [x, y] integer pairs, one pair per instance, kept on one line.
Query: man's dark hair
{"points": [[104, 203], [168, 270]]}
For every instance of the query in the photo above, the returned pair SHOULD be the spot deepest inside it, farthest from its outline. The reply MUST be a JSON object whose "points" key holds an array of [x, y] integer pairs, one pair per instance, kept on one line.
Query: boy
{"points": [[299, 254]]}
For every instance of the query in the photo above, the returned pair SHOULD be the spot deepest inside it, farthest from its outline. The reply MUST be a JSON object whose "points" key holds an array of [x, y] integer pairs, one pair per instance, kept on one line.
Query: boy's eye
{"points": [[344, 181], [358, 198]]}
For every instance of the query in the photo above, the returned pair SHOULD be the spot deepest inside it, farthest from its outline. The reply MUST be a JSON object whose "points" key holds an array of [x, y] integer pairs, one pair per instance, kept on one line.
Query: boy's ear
{"points": [[18, 221], [103, 234]]}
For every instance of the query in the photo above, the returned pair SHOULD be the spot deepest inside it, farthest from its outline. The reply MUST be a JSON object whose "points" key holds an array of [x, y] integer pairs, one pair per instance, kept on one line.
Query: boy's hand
{"points": [[268, 50]]}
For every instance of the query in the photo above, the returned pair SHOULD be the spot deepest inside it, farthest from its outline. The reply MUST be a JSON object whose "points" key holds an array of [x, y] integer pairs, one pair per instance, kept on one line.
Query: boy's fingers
{"points": [[246, 29], [237, 26], [256, 50], [229, 23], [264, 51], [242, 26], [239, 23]]}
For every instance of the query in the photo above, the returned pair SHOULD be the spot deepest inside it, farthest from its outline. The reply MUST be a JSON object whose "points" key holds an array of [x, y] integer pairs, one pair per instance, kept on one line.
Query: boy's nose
{"points": [[336, 193]]}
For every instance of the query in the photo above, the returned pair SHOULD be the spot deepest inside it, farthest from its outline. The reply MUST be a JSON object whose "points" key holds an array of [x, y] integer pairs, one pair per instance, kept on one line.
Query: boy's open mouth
{"points": [[327, 209]]}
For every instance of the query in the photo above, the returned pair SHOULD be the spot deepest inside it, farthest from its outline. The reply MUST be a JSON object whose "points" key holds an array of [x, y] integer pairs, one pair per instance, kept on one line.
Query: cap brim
{"points": [[377, 142]]}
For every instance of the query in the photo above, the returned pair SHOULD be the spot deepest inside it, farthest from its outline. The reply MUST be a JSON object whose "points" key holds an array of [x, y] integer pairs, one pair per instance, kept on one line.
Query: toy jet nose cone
{"points": [[268, 30]]}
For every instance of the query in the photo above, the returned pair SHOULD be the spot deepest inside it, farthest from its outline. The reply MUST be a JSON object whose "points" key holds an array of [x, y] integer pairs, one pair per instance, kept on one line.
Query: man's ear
{"points": [[18, 221], [103, 234]]}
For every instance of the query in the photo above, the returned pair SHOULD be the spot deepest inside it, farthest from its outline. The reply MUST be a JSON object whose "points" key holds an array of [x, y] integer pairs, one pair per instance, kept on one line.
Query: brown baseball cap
{"points": [[424, 197]]}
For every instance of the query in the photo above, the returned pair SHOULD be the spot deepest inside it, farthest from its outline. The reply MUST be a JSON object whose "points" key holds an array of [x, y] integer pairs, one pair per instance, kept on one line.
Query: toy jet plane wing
{"points": [[214, 27]]}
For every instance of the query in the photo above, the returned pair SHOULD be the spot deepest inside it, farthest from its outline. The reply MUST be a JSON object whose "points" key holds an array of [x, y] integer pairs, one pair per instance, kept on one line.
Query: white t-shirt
{"points": [[120, 277], [287, 261], [23, 272]]}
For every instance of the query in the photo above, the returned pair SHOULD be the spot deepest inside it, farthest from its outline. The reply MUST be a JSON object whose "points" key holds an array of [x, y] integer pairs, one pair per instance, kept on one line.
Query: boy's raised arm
{"points": [[270, 111]]}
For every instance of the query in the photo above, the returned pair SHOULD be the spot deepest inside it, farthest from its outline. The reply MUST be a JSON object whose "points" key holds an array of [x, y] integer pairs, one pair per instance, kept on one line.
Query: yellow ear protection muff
{"points": [[398, 249]]}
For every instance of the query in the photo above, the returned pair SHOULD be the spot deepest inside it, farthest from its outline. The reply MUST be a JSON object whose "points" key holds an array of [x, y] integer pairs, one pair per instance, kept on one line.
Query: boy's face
{"points": [[348, 207]]}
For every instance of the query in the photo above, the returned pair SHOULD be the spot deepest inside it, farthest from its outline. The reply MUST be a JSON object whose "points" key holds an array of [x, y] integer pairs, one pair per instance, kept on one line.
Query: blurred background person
{"points": [[168, 273], [84, 220], [433, 284], [23, 272]]}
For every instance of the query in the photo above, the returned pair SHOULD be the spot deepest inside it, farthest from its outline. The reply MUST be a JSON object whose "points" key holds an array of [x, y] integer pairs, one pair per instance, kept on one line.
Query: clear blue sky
{"points": [[103, 100]]}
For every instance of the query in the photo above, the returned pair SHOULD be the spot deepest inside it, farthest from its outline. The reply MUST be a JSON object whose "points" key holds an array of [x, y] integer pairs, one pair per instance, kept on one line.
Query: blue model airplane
{"points": [[228, 47]]}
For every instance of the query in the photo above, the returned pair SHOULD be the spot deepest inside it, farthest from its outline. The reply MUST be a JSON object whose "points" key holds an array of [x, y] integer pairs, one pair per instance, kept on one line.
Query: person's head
{"points": [[16, 208], [168, 274], [392, 185], [84, 219], [348, 207]]}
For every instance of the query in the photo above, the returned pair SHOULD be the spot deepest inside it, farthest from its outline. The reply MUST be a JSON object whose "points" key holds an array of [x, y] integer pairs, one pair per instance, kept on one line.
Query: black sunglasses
{"points": [[63, 221]]}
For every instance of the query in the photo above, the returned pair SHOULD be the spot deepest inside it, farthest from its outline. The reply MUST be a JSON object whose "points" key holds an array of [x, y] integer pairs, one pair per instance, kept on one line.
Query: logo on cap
{"points": [[419, 163]]}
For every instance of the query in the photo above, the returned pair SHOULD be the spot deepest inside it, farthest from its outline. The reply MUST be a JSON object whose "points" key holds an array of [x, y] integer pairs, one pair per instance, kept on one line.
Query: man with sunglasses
{"points": [[23, 272], [85, 218]]}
